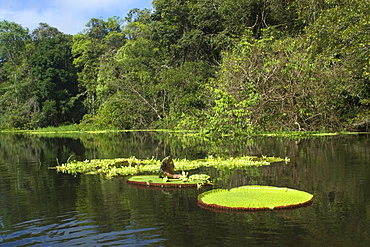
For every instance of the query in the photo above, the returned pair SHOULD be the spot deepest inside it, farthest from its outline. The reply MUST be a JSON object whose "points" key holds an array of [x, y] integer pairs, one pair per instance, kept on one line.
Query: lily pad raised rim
{"points": [[218, 207]]}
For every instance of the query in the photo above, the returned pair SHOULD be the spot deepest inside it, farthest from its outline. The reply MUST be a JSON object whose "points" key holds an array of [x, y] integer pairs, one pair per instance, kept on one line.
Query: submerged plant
{"points": [[251, 198]]}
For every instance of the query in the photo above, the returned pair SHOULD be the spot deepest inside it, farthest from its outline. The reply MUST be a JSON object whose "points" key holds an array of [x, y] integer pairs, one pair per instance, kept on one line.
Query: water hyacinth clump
{"points": [[130, 166]]}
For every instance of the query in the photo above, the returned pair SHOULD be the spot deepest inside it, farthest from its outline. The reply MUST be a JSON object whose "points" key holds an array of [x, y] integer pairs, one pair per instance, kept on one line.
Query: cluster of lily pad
{"points": [[244, 198], [110, 168]]}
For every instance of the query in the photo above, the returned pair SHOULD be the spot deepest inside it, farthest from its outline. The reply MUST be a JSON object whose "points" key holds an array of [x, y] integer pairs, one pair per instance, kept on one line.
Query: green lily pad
{"points": [[155, 181], [251, 198]]}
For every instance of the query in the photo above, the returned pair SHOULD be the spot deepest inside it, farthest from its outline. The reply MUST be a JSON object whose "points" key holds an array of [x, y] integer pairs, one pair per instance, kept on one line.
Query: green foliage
{"points": [[340, 40], [290, 74], [40, 83], [137, 95], [183, 88], [13, 38], [229, 116], [93, 52], [131, 166], [13, 85], [223, 68], [56, 79]]}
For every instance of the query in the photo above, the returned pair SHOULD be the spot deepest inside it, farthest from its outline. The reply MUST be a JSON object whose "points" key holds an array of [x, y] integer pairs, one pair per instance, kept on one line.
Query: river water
{"points": [[40, 207]]}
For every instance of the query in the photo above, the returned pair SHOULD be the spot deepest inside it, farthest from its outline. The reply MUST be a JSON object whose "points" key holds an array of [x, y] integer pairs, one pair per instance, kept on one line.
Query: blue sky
{"points": [[69, 16]]}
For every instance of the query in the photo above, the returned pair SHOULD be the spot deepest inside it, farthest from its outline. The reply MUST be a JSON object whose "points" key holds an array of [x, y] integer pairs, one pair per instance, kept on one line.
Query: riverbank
{"points": [[76, 129]]}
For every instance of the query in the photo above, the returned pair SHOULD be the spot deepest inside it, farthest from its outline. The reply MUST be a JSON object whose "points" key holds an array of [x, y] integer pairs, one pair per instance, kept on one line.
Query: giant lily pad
{"points": [[155, 181], [251, 198]]}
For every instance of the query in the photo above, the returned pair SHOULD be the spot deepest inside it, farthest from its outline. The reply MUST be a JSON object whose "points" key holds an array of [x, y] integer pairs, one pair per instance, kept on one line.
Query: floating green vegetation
{"points": [[307, 134], [196, 180], [78, 129], [131, 166], [254, 198]]}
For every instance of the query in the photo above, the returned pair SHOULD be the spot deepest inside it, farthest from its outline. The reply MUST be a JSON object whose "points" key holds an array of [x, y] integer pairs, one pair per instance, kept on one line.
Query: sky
{"points": [[68, 16]]}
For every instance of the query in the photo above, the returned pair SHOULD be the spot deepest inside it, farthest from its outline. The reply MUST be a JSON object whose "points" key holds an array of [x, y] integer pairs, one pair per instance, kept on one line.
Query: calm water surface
{"points": [[39, 207]]}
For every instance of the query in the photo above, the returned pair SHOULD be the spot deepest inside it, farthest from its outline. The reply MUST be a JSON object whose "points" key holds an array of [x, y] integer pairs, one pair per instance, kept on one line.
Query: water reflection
{"points": [[41, 207], [71, 230]]}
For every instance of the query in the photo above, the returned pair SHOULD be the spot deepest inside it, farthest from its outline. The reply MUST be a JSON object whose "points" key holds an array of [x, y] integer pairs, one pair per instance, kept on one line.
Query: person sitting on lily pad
{"points": [[167, 167]]}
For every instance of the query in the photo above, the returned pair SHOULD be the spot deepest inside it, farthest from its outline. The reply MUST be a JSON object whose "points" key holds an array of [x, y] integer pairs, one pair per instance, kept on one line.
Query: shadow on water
{"points": [[41, 207]]}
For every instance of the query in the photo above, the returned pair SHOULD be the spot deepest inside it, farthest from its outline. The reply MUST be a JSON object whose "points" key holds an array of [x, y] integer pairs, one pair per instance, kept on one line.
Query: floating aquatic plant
{"points": [[254, 198], [196, 180], [110, 167], [131, 166]]}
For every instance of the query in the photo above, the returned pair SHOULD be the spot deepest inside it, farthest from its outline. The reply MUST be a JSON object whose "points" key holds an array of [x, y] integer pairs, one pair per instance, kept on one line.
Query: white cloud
{"points": [[4, 13], [69, 16]]}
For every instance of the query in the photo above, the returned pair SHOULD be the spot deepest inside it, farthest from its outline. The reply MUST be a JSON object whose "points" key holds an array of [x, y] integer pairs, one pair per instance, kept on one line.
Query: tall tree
{"points": [[13, 39], [55, 77], [339, 41], [99, 42], [13, 85], [39, 85], [315, 81]]}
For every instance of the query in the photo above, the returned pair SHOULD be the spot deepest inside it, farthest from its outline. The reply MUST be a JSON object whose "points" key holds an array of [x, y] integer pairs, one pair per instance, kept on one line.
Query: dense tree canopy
{"points": [[220, 67]]}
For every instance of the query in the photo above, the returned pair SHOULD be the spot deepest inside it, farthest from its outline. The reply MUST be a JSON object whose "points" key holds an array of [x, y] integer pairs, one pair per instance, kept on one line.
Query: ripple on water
{"points": [[74, 229]]}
